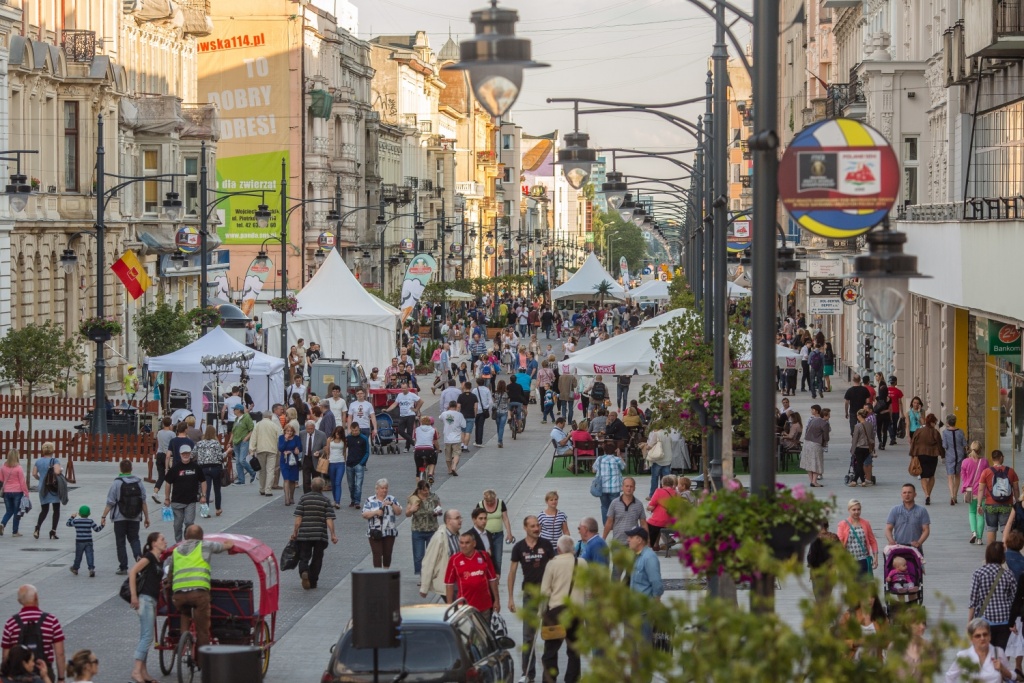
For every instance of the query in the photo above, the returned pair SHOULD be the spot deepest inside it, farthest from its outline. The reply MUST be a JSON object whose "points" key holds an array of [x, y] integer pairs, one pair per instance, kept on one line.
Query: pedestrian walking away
{"points": [[36, 630], [48, 495], [263, 442], [314, 525], [533, 554], [190, 580], [127, 508], [211, 458]]}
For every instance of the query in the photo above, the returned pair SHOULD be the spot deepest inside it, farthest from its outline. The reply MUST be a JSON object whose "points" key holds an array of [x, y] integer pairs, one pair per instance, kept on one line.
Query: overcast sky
{"points": [[643, 51]]}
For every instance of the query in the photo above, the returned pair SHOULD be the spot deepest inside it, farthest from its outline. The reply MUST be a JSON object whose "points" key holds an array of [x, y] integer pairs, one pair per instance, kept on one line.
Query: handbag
{"points": [[126, 591], [915, 466], [227, 473], [494, 413], [596, 486], [290, 556], [254, 463], [323, 465], [654, 453], [551, 627]]}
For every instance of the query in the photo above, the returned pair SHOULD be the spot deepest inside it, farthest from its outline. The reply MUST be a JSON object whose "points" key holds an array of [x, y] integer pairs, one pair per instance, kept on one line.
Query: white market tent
{"points": [[455, 295], [622, 354], [266, 376], [338, 313], [736, 291], [581, 285], [652, 290]]}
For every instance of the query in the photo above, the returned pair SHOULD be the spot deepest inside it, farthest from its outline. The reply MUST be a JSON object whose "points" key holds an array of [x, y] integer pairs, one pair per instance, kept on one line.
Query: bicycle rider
{"points": [[190, 580], [426, 442], [518, 393]]}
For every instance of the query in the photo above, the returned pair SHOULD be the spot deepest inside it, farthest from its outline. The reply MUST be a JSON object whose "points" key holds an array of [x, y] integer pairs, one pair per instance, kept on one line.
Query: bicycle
{"points": [[516, 423]]}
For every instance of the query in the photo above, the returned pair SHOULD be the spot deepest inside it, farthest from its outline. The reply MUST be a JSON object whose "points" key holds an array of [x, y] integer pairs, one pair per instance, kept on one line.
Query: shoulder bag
{"points": [[991, 590], [551, 621], [914, 469]]}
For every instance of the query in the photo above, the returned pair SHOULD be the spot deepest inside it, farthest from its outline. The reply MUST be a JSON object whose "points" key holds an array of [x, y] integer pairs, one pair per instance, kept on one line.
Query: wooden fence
{"points": [[57, 407]]}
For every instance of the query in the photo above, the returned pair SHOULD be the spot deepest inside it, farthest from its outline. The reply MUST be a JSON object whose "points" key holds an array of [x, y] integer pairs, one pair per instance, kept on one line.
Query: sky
{"points": [[640, 51]]}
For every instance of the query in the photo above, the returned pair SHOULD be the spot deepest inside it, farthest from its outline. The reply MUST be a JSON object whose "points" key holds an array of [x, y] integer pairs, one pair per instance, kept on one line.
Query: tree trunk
{"points": [[28, 434]]}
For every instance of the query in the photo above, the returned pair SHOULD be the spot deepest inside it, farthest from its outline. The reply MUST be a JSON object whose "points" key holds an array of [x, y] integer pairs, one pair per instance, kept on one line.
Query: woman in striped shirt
{"points": [[553, 522]]}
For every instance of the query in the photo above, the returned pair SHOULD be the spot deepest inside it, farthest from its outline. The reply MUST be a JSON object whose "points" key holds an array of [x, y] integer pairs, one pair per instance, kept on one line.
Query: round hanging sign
{"points": [[839, 178], [186, 239], [325, 240]]}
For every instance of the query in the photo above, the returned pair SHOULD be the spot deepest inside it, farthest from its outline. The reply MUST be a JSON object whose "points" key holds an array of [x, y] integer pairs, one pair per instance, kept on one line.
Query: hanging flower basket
{"points": [[99, 329], [204, 317], [284, 304]]}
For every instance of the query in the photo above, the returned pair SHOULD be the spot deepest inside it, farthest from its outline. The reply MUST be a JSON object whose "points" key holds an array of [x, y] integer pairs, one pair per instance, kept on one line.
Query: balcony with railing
{"points": [[79, 46], [844, 99], [994, 28]]}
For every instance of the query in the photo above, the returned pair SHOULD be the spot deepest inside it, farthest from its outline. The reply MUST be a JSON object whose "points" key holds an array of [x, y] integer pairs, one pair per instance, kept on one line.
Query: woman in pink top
{"points": [[660, 518], [970, 473], [12, 478]]}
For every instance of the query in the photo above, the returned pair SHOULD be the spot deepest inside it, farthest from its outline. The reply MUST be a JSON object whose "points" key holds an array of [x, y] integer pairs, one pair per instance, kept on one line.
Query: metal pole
{"points": [[711, 129], [383, 227], [99, 410], [766, 162], [718, 307], [204, 285], [697, 238], [443, 224], [284, 262], [337, 210]]}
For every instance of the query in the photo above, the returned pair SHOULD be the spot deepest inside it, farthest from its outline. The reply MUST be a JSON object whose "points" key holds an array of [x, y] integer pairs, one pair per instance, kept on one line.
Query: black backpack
{"points": [[598, 391], [30, 634], [50, 481], [815, 360], [129, 503]]}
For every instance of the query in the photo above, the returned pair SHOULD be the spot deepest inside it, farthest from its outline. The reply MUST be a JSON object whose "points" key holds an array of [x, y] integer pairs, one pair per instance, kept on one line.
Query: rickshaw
{"points": [[234, 619]]}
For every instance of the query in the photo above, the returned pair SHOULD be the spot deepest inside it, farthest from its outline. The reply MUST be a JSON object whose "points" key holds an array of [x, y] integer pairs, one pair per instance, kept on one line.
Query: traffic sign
{"points": [[839, 178]]}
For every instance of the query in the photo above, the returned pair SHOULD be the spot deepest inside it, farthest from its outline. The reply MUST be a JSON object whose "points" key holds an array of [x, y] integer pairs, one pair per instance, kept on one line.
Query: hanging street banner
{"points": [[839, 178], [417, 276], [624, 269], [255, 277]]}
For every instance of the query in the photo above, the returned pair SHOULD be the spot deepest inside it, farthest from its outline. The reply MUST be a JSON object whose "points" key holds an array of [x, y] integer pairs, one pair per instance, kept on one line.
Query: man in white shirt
{"points": [[339, 407], [452, 423], [361, 412], [483, 394], [561, 439], [229, 407], [297, 388], [408, 410], [451, 393]]}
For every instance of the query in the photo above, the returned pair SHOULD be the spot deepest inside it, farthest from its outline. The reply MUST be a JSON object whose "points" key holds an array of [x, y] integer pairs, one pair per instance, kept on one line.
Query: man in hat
{"points": [[131, 383]]}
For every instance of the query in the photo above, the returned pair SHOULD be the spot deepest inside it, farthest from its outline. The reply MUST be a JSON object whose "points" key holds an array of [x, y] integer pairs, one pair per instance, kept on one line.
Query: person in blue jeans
{"points": [[336, 467], [358, 447], [83, 539], [243, 427], [12, 478], [423, 509]]}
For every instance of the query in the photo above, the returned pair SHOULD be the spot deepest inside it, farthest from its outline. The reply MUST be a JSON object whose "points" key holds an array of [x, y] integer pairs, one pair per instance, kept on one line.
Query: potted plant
{"points": [[734, 532], [204, 317], [99, 329], [284, 304], [34, 182]]}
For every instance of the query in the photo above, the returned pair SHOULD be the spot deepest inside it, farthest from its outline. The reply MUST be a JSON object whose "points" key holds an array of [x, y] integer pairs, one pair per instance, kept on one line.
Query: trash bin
{"points": [[231, 663]]}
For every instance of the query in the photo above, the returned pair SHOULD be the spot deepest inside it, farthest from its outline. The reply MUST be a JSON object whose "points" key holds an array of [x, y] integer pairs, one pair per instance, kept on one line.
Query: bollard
{"points": [[231, 663]]}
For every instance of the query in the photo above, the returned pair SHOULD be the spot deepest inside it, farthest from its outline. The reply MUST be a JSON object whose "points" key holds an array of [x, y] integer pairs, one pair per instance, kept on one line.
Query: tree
{"points": [[38, 355], [625, 240], [163, 329], [603, 289]]}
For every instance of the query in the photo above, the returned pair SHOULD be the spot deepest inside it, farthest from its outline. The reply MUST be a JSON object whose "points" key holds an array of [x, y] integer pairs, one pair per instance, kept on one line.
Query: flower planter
{"points": [[99, 334], [786, 541], [698, 410]]}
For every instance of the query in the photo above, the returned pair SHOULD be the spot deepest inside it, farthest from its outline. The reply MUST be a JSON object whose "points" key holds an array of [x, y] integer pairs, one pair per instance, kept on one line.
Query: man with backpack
{"points": [[816, 362], [38, 631], [127, 508], [998, 488]]}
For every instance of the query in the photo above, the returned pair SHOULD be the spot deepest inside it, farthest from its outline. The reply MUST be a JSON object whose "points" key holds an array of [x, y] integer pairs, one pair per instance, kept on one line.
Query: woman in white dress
{"points": [[994, 667]]}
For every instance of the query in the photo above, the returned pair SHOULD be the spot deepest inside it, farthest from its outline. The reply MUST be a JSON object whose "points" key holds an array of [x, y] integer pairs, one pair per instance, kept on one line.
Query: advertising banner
{"points": [[244, 70], [420, 271]]}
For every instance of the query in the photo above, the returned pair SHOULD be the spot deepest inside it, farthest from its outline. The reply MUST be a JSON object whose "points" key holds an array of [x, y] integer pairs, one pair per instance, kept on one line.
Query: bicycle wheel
{"points": [[263, 642], [186, 658], [167, 653]]}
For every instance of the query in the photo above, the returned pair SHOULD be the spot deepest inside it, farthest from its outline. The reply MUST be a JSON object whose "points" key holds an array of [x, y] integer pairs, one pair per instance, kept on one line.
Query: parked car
{"points": [[439, 644]]}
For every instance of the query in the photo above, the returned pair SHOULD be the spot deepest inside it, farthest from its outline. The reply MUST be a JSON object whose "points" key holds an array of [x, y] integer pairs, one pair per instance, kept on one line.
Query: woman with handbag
{"points": [[209, 454], [970, 474], [862, 448], [992, 593], [47, 495], [859, 540], [658, 454], [289, 450], [144, 585], [926, 446], [380, 512]]}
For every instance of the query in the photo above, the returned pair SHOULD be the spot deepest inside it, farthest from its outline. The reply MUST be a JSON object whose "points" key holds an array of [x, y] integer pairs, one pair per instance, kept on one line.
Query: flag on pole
{"points": [[130, 271]]}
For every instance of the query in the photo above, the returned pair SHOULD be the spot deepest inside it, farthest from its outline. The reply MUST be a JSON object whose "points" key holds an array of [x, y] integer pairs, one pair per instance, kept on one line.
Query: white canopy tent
{"points": [[266, 375], [582, 284], [736, 291], [456, 295], [652, 290], [338, 313], [624, 354]]}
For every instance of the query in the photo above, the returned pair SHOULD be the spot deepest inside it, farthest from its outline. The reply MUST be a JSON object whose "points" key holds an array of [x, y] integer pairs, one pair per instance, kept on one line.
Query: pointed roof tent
{"points": [[216, 342], [582, 284], [449, 51]]}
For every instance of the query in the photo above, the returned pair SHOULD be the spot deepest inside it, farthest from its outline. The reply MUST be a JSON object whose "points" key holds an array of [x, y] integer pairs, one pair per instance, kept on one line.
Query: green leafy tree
{"points": [[162, 329], [626, 240], [602, 289], [38, 356]]}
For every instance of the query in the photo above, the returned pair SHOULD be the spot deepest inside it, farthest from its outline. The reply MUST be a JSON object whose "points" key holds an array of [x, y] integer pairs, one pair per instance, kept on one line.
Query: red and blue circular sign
{"points": [[187, 240], [839, 178]]}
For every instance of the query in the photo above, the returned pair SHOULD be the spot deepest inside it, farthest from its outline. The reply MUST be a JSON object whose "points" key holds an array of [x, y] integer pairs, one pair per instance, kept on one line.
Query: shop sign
{"points": [[998, 339]]}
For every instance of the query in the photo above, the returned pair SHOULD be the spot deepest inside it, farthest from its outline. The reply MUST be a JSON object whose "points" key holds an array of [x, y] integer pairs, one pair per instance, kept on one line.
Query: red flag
{"points": [[130, 271]]}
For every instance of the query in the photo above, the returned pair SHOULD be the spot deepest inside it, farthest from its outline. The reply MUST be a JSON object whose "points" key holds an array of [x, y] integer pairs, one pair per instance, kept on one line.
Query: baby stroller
{"points": [[906, 589], [385, 439]]}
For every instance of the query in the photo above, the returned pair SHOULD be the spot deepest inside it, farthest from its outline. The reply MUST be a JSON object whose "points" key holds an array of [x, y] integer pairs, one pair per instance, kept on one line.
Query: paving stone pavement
{"points": [[310, 621]]}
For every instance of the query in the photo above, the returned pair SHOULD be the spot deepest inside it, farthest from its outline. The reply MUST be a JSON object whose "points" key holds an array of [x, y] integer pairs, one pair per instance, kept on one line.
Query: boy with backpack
{"points": [[998, 488], [127, 508], [549, 405], [83, 539]]}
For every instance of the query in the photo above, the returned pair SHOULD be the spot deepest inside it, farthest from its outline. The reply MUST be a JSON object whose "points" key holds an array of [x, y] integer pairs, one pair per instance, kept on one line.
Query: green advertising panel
{"points": [[998, 339], [253, 173]]}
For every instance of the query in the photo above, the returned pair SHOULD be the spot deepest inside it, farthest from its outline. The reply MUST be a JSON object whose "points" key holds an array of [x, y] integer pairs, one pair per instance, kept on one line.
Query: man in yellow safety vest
{"points": [[190, 580]]}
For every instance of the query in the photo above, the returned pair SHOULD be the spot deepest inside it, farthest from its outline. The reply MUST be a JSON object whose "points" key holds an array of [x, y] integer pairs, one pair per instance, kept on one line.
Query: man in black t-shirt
{"points": [[856, 398], [533, 553], [186, 484], [468, 403]]}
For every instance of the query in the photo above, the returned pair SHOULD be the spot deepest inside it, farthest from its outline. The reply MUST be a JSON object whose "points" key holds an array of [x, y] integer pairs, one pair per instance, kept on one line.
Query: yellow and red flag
{"points": [[130, 271]]}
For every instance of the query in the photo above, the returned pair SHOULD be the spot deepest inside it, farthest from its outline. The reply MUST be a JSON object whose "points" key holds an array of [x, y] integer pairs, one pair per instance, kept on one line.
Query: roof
{"points": [[583, 284], [449, 51]]}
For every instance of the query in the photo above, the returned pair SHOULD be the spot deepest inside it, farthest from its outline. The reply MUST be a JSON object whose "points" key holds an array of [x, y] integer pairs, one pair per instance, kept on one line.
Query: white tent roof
{"points": [[216, 342], [339, 314], [623, 354], [736, 291], [456, 295], [581, 285], [652, 289]]}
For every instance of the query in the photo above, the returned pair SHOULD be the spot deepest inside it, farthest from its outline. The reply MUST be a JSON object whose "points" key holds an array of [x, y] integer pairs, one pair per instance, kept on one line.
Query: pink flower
{"points": [[732, 485], [799, 492], [707, 404]]}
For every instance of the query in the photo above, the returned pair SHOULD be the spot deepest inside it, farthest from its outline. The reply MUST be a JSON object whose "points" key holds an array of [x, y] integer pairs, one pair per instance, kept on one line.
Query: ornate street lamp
{"points": [[614, 190], [885, 270], [495, 58]]}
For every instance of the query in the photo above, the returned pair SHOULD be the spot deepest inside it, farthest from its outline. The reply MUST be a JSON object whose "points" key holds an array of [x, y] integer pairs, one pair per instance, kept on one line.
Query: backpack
{"points": [[598, 391], [815, 360], [129, 502], [50, 482], [1002, 491], [30, 634]]}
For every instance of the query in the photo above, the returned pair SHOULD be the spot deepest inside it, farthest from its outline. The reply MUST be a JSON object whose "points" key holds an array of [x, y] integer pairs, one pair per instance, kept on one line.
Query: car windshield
{"points": [[426, 650]]}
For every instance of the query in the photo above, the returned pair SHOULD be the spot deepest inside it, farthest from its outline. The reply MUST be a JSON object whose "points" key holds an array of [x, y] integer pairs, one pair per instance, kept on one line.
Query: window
{"points": [[192, 186], [506, 174], [910, 159], [71, 146], [439, 173], [506, 142], [151, 167]]}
